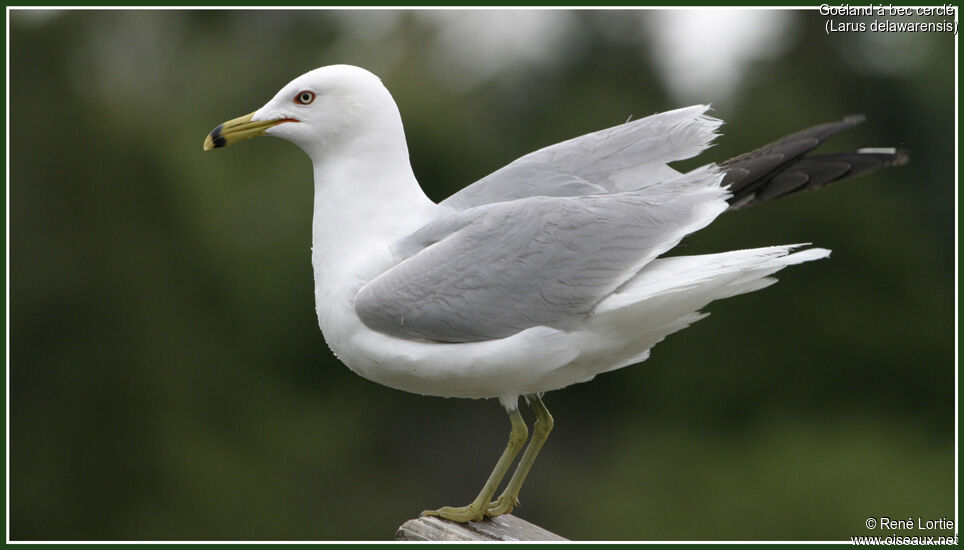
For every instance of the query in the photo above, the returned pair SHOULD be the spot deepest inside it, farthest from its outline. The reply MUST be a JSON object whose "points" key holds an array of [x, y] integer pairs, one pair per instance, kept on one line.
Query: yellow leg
{"points": [[509, 498], [476, 510]]}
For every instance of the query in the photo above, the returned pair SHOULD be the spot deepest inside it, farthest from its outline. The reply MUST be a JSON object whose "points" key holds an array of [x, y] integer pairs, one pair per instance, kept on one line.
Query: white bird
{"points": [[541, 275]]}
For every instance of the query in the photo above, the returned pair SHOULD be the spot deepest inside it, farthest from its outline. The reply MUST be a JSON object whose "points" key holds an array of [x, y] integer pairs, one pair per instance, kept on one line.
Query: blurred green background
{"points": [[168, 378]]}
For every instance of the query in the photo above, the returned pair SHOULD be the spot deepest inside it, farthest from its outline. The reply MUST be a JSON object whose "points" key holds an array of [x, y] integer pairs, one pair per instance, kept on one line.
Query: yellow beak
{"points": [[239, 129]]}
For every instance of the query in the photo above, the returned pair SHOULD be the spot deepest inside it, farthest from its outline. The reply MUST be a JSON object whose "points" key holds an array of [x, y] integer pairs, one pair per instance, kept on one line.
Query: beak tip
{"points": [[214, 139], [214, 142], [233, 131]]}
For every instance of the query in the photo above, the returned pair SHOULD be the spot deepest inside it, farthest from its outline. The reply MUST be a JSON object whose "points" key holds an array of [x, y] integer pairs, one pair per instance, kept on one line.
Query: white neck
{"points": [[359, 199]]}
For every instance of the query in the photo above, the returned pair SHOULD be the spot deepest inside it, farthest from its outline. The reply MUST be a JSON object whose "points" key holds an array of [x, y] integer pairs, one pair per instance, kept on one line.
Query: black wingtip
{"points": [[787, 166]]}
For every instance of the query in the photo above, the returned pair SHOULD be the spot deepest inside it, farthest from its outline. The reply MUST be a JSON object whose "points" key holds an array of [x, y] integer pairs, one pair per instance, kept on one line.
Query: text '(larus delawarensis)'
{"points": [[540, 275]]}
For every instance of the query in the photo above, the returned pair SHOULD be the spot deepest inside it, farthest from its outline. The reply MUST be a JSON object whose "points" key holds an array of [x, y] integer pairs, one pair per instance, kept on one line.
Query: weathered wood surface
{"points": [[505, 527]]}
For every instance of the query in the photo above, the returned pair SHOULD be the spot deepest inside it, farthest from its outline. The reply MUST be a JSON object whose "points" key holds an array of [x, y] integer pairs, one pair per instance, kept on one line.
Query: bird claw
{"points": [[501, 505]]}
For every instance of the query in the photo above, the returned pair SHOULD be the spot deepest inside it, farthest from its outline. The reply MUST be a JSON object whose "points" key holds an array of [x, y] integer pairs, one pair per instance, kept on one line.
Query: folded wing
{"points": [[498, 269]]}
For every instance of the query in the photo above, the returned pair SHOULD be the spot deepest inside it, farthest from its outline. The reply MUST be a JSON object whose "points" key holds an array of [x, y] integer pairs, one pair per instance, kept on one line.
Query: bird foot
{"points": [[502, 505], [461, 514]]}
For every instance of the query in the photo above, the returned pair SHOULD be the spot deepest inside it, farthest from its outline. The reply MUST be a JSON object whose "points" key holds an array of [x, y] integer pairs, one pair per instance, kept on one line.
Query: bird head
{"points": [[317, 111]]}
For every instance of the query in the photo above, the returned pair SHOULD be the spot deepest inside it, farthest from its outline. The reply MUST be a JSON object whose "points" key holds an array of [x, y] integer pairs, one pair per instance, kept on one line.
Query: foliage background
{"points": [[168, 379]]}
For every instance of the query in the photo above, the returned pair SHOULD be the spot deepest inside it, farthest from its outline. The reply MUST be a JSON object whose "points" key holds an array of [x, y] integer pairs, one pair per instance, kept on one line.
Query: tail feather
{"points": [[784, 166]]}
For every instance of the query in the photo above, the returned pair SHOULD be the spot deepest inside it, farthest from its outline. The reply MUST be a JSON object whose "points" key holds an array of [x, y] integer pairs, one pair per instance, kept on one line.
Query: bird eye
{"points": [[305, 97]]}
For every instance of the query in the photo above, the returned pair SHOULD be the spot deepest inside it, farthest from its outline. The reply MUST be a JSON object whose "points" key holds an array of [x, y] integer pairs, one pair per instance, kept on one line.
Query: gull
{"points": [[543, 274]]}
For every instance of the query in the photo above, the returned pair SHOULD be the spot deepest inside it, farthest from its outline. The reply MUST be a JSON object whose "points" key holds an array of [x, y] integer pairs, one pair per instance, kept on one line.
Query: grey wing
{"points": [[616, 159], [496, 270]]}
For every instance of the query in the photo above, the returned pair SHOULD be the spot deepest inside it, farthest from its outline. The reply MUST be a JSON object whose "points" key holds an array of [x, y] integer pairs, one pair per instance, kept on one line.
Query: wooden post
{"points": [[505, 527]]}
